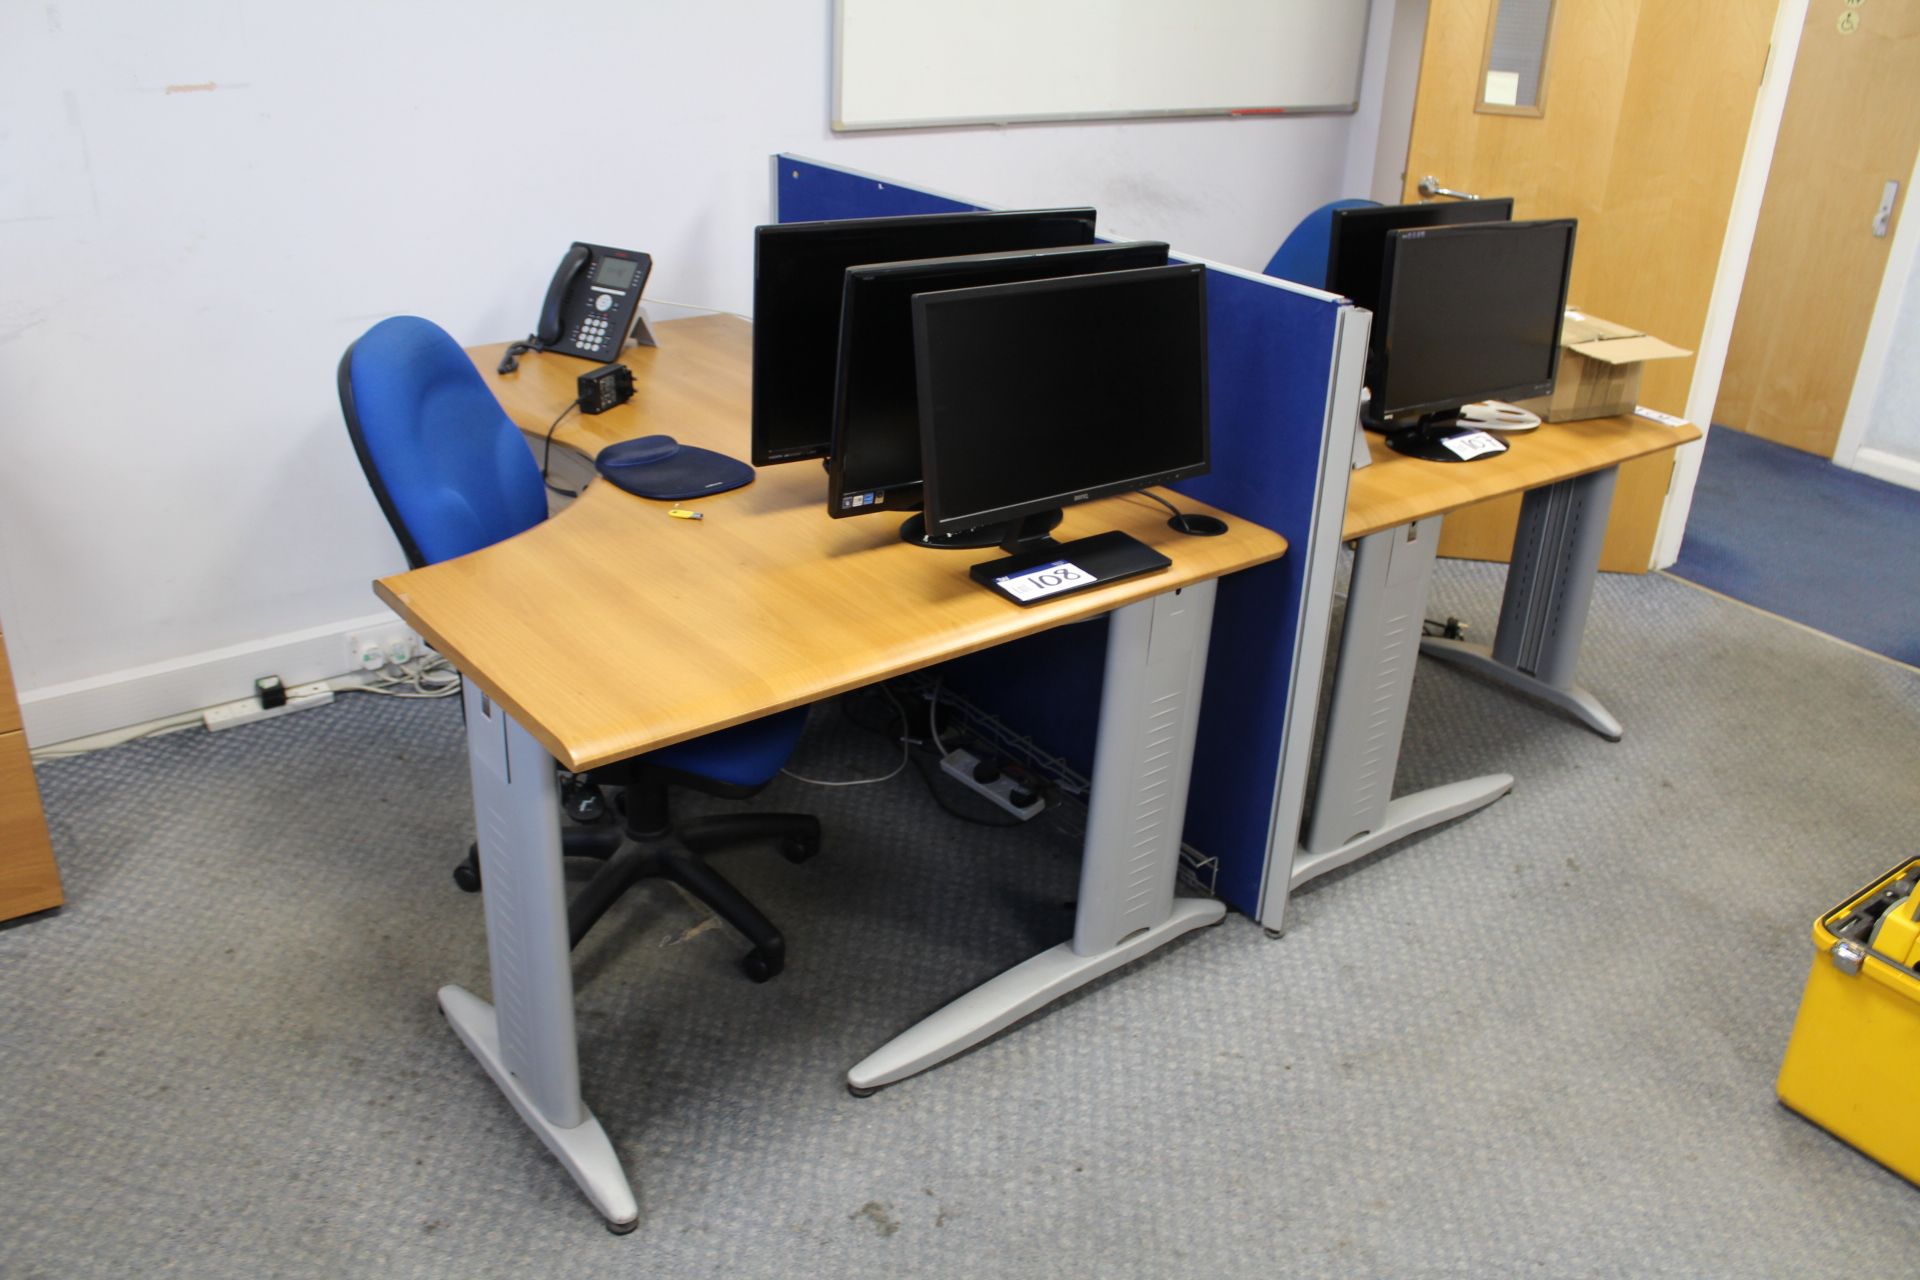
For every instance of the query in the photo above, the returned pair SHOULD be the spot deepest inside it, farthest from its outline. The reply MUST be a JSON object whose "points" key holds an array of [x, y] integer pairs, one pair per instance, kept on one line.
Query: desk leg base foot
{"points": [[583, 1150], [1569, 699], [1404, 817], [1024, 989]]}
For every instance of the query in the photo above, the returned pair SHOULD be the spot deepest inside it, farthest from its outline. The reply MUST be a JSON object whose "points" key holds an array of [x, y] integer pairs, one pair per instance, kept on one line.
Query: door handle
{"points": [[1430, 187], [1884, 214]]}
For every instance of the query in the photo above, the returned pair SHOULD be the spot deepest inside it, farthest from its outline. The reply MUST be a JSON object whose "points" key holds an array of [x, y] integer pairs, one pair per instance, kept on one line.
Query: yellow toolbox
{"points": [[1853, 1061]]}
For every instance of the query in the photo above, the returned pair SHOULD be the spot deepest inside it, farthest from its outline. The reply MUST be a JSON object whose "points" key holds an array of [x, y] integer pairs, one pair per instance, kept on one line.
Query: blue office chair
{"points": [[1302, 256], [453, 474]]}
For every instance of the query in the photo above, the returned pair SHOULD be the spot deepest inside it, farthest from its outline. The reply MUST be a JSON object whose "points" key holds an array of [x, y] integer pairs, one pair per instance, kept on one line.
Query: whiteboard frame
{"points": [[838, 124]]}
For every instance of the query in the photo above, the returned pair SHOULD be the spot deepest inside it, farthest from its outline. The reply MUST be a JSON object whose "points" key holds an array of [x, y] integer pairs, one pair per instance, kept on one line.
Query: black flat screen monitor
{"points": [[1359, 239], [798, 270], [1050, 393], [875, 463], [1466, 313]]}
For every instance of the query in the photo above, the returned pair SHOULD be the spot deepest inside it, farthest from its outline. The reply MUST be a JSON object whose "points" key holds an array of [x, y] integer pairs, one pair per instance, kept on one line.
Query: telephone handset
{"points": [[592, 306]]}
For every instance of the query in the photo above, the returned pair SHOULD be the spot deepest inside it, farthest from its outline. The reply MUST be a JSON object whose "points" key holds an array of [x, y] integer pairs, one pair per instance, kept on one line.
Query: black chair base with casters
{"points": [[648, 846]]}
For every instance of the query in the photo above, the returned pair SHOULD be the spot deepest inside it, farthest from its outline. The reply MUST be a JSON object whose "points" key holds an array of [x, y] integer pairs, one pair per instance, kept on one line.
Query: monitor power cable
{"points": [[1192, 523]]}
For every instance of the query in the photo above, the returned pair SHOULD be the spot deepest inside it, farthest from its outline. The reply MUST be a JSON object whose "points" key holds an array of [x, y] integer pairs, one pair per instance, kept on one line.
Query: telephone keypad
{"points": [[592, 335]]}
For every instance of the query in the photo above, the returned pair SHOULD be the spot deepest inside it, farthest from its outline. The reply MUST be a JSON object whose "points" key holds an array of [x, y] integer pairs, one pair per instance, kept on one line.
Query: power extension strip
{"points": [[961, 763], [231, 715]]}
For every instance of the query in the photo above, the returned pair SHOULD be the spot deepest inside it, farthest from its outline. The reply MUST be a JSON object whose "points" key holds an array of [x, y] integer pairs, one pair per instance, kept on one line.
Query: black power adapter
{"points": [[603, 388]]}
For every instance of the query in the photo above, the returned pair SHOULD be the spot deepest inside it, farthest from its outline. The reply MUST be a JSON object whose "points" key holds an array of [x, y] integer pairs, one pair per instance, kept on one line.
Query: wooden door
{"points": [[1852, 124], [1646, 109]]}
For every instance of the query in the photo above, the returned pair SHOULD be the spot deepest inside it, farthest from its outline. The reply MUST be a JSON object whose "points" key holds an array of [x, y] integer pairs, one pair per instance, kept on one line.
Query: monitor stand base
{"points": [[914, 531], [1423, 440]]}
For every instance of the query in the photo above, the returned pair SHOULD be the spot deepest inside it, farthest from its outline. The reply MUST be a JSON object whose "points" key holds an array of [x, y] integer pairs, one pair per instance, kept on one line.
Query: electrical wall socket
{"points": [[961, 763], [231, 715], [372, 650]]}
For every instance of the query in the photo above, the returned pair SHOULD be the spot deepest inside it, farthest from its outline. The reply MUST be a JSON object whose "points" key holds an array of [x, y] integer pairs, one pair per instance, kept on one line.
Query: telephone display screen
{"points": [[617, 273]]}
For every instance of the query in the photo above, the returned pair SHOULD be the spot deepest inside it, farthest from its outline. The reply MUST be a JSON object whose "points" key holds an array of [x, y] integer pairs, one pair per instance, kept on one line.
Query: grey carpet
{"points": [[1539, 1041]]}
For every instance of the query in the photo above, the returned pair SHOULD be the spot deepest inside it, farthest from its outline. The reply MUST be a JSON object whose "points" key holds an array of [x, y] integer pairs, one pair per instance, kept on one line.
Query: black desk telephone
{"points": [[592, 306]]}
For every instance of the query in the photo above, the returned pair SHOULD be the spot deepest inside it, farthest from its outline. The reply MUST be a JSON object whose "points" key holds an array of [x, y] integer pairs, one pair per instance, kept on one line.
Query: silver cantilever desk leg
{"points": [[1143, 757], [1556, 557], [1353, 812], [525, 1039]]}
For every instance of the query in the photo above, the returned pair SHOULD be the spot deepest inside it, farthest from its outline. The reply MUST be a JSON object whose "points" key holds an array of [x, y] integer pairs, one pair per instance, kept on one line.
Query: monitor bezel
{"points": [[1405, 417], [940, 522], [904, 496], [1404, 217], [761, 452]]}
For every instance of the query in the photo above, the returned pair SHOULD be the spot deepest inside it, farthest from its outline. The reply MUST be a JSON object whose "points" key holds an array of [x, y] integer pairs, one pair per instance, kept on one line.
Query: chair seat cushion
{"points": [[747, 755]]}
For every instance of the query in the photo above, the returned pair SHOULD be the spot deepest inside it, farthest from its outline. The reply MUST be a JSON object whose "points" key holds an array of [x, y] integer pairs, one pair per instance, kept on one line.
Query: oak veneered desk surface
{"points": [[1397, 489], [613, 629]]}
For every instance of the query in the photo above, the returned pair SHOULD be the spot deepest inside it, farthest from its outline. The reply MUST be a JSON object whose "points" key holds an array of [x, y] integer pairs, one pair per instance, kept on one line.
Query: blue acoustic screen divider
{"points": [[1270, 354], [1277, 438], [804, 191]]}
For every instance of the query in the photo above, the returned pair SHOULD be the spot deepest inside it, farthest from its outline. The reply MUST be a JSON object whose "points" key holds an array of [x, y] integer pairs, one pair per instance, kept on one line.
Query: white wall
{"points": [[1895, 425], [1881, 433], [203, 202]]}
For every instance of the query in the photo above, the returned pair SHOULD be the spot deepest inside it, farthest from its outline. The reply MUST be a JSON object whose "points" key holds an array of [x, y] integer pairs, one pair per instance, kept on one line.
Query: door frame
{"points": [[1743, 219], [1849, 450]]}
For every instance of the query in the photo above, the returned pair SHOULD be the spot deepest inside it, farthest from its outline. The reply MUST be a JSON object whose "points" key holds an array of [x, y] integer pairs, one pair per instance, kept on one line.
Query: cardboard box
{"points": [[1599, 369]]}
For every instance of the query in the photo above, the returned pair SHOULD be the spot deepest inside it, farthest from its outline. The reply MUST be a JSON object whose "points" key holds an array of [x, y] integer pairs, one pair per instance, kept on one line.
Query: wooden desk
{"points": [[1398, 490], [1394, 509], [612, 630], [765, 604]]}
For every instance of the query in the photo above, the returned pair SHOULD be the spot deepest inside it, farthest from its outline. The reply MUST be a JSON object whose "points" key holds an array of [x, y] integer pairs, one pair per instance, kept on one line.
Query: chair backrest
{"points": [[1302, 256], [450, 469]]}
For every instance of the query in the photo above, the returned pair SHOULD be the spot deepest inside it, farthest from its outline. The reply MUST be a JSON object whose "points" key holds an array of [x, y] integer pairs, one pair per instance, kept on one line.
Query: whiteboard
{"points": [[903, 64]]}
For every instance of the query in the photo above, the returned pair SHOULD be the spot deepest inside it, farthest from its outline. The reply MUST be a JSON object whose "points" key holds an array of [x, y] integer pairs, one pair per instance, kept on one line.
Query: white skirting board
{"points": [[59, 713], [1894, 468]]}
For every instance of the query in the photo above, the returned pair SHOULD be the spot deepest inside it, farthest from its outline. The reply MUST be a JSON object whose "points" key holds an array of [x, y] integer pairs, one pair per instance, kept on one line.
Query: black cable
{"points": [[1178, 514], [546, 455], [896, 714], [510, 358], [1192, 523]]}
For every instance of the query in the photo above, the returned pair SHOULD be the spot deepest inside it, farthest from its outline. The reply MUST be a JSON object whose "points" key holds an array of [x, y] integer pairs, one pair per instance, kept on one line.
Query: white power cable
{"points": [[906, 754], [429, 676], [118, 737]]}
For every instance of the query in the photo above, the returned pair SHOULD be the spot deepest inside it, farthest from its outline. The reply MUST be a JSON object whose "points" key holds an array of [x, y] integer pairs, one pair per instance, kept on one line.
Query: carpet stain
{"points": [[879, 1215]]}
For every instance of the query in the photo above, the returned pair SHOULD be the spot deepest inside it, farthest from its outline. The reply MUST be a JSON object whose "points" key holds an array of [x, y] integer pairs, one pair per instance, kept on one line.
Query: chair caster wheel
{"points": [[582, 800], [757, 967], [467, 874], [858, 1092], [622, 1228], [798, 851]]}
